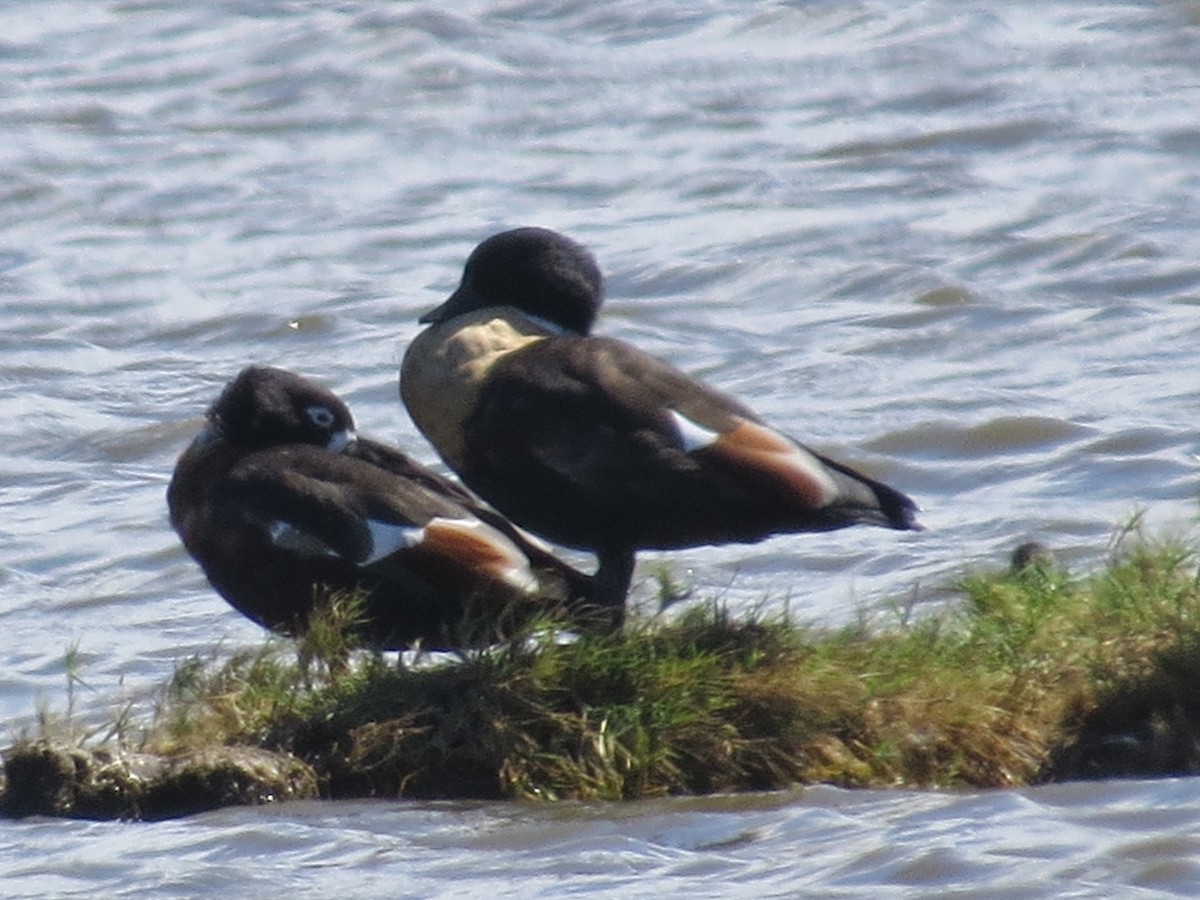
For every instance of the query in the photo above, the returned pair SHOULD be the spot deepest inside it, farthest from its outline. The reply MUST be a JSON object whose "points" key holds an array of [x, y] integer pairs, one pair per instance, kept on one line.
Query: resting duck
{"points": [[277, 497], [591, 443]]}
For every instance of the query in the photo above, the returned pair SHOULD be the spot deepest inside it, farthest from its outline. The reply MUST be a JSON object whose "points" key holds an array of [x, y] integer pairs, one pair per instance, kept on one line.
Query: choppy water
{"points": [[957, 245]]}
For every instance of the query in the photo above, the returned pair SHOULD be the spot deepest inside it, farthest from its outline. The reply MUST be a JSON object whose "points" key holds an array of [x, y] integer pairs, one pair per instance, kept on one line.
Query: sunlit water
{"points": [[957, 246]]}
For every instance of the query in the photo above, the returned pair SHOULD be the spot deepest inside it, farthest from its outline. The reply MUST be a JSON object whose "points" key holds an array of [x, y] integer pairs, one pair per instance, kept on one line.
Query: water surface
{"points": [[954, 245]]}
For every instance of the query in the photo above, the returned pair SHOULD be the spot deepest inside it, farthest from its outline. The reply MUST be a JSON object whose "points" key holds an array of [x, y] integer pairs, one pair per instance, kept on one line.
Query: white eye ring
{"points": [[321, 416]]}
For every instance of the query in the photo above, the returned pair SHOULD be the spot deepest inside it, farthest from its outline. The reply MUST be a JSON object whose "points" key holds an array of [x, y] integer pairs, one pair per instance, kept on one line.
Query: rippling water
{"points": [[957, 246]]}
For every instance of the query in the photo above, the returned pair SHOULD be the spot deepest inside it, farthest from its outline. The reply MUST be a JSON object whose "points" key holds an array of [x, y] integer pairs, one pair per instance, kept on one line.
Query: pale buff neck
{"points": [[445, 366]]}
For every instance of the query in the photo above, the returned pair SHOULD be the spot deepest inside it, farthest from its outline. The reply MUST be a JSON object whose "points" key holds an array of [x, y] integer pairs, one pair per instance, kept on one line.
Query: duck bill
{"points": [[341, 441], [462, 300], [209, 434]]}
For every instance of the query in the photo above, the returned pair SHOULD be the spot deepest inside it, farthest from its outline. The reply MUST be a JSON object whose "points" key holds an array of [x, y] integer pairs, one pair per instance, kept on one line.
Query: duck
{"points": [[282, 504], [593, 444]]}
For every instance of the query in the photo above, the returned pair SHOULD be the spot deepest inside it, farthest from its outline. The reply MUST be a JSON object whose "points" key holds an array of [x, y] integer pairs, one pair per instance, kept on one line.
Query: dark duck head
{"points": [[590, 442], [542, 273], [268, 407], [278, 498]]}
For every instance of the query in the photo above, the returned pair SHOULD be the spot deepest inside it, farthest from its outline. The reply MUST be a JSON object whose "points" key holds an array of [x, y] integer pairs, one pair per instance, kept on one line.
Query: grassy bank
{"points": [[1026, 676]]}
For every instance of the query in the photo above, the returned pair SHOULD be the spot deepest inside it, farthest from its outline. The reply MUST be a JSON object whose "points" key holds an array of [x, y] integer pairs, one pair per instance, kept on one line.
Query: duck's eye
{"points": [[321, 416]]}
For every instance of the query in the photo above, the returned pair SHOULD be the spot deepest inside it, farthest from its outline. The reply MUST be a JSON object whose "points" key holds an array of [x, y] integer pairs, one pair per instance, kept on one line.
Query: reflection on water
{"points": [[957, 247]]}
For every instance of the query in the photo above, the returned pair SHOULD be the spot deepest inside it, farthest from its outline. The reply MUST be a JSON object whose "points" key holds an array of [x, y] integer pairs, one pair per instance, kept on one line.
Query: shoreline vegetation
{"points": [[1025, 676]]}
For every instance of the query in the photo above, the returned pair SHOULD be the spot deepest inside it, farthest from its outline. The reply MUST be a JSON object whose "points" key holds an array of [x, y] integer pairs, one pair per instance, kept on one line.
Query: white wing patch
{"points": [[289, 537], [470, 543], [694, 437], [388, 537]]}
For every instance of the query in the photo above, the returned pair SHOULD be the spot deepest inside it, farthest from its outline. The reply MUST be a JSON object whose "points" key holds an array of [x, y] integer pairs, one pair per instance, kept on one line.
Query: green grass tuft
{"points": [[1032, 675]]}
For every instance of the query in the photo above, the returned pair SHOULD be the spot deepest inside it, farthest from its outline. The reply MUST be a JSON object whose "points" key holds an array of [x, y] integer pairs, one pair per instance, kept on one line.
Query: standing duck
{"points": [[277, 498], [591, 443]]}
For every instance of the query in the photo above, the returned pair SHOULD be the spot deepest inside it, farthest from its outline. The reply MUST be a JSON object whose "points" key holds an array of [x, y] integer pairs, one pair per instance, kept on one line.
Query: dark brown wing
{"points": [[309, 497], [577, 585], [593, 443]]}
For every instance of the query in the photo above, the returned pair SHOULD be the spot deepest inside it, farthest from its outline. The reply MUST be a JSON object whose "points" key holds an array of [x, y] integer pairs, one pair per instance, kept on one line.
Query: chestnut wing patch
{"points": [[319, 504], [477, 547], [759, 457]]}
